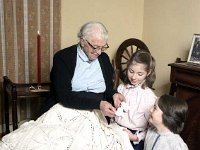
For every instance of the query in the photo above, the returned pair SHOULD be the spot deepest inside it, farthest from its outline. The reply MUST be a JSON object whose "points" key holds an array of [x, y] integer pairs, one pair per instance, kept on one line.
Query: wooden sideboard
{"points": [[185, 79], [15, 92]]}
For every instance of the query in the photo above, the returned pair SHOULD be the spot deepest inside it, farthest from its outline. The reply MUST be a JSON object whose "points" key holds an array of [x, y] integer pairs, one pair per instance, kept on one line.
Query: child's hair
{"points": [[143, 57], [174, 112]]}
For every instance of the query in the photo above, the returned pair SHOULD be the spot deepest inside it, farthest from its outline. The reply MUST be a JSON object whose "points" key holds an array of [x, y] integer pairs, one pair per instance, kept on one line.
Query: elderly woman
{"points": [[81, 96]]}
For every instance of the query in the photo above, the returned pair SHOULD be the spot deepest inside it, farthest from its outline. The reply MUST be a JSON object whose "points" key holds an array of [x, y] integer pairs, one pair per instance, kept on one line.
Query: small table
{"points": [[16, 91], [185, 79]]}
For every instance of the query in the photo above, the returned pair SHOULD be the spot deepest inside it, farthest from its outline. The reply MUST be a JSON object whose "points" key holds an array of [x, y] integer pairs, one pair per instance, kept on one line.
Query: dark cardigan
{"points": [[62, 72]]}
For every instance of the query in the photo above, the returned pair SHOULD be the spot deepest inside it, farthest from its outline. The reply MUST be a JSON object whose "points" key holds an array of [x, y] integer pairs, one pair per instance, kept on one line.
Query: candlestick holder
{"points": [[38, 88]]}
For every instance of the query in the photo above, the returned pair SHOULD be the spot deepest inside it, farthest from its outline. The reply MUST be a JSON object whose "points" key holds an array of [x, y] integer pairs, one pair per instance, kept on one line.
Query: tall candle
{"points": [[38, 58]]}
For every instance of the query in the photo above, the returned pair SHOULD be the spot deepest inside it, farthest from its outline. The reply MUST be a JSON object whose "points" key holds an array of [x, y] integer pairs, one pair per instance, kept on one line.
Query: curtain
{"points": [[20, 21]]}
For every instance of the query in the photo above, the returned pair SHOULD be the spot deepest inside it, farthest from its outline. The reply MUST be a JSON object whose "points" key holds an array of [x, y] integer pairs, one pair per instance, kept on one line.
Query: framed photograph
{"points": [[194, 54]]}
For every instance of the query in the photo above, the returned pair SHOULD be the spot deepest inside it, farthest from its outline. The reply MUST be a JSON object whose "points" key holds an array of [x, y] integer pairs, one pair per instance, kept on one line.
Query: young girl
{"points": [[168, 117], [138, 97]]}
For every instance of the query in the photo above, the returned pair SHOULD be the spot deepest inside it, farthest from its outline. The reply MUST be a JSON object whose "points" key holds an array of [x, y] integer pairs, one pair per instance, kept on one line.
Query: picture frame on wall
{"points": [[194, 54]]}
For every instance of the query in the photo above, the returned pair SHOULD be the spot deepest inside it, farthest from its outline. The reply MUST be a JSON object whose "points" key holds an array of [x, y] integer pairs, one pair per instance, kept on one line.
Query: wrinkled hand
{"points": [[118, 98], [107, 109]]}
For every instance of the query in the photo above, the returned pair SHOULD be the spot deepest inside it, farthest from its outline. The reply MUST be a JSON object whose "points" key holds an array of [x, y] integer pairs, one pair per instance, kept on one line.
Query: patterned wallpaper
{"points": [[20, 21]]}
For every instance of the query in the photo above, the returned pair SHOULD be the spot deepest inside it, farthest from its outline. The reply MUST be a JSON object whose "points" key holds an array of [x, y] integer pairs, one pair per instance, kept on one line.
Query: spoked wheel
{"points": [[124, 53]]}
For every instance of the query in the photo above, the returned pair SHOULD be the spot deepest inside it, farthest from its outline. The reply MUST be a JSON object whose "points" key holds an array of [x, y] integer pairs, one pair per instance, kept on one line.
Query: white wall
{"points": [[168, 30], [123, 19]]}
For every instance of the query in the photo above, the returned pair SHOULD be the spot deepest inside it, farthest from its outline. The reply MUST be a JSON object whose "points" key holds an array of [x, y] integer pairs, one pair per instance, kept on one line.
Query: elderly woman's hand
{"points": [[107, 109], [118, 98]]}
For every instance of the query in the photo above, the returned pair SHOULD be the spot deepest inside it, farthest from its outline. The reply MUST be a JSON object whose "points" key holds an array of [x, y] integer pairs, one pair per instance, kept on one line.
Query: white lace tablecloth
{"points": [[67, 129]]}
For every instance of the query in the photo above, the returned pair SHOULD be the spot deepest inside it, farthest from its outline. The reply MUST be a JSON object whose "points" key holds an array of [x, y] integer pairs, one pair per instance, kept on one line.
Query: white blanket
{"points": [[67, 129]]}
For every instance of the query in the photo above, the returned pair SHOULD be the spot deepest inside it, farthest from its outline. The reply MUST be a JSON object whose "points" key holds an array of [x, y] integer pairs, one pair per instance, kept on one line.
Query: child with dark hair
{"points": [[139, 97], [167, 120]]}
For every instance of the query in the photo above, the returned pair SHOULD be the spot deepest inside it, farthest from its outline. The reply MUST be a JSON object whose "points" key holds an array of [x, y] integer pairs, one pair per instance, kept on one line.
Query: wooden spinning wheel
{"points": [[124, 52]]}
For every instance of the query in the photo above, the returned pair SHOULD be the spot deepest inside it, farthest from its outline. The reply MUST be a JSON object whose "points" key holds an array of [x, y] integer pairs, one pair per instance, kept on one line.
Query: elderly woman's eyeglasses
{"points": [[98, 47]]}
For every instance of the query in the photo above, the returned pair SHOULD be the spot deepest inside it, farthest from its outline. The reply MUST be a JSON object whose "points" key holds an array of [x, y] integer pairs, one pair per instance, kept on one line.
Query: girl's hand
{"points": [[118, 98], [132, 137]]}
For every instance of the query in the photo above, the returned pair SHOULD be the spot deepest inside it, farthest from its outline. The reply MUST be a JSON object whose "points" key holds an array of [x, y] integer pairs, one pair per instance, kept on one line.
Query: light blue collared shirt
{"points": [[88, 75]]}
